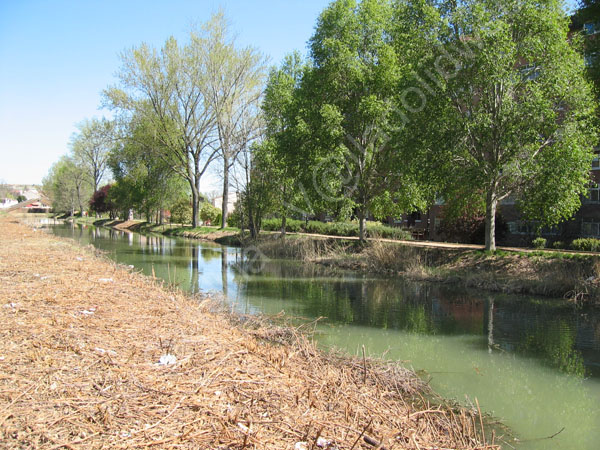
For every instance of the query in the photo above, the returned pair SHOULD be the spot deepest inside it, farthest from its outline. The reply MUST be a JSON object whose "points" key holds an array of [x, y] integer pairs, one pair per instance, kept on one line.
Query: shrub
{"points": [[181, 211], [586, 244], [234, 219], [539, 242], [559, 245], [208, 213]]}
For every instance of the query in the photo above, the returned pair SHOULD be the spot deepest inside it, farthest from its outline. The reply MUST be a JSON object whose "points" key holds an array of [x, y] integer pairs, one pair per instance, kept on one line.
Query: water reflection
{"points": [[524, 358]]}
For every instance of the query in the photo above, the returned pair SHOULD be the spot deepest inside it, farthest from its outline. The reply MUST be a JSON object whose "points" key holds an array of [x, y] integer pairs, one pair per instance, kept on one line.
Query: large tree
{"points": [[510, 111], [356, 139], [235, 84], [169, 87]]}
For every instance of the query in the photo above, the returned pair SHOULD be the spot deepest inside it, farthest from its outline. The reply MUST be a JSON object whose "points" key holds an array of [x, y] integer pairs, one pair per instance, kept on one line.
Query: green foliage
{"points": [[234, 219], [67, 185], [181, 211], [145, 181], [21, 198], [342, 229], [208, 213], [516, 116], [351, 149], [559, 245], [586, 244], [539, 242]]}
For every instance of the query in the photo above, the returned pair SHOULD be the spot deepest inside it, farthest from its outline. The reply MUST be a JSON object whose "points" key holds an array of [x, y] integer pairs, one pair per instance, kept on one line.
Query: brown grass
{"points": [[80, 342]]}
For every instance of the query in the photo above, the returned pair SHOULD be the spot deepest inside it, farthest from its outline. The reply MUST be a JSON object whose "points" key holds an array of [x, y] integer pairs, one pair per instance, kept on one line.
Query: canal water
{"points": [[534, 363]]}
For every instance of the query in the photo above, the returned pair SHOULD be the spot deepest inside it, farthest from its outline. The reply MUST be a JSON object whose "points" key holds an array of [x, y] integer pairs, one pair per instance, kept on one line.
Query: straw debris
{"points": [[80, 367]]}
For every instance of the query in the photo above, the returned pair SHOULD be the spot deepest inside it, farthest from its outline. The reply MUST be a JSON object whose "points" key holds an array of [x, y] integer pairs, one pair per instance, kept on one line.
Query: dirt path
{"points": [[93, 355]]}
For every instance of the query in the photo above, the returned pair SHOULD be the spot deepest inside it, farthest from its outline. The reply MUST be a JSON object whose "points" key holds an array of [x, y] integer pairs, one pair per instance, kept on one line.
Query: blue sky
{"points": [[57, 56]]}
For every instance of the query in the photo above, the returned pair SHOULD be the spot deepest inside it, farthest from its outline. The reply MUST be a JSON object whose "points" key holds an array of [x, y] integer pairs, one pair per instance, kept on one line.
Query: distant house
{"points": [[37, 207], [7, 203], [217, 202]]}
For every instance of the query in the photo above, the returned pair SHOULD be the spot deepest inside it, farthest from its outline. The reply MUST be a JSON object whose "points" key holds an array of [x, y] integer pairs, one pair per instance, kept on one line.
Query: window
{"points": [[594, 194], [590, 59], [596, 163], [591, 28], [530, 72], [590, 228]]}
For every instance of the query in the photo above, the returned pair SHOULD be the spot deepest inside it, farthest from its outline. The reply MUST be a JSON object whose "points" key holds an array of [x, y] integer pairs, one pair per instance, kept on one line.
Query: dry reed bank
{"points": [[81, 346], [572, 276]]}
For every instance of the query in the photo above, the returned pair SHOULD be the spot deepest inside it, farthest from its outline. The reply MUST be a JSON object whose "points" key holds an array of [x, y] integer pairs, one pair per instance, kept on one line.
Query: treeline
{"points": [[399, 104]]}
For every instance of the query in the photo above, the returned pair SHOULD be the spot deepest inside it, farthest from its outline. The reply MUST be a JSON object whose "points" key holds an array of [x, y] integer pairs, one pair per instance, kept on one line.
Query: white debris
{"points": [[105, 280], [218, 393], [323, 443], [87, 312], [125, 434], [131, 266], [244, 428], [102, 351], [53, 386], [167, 360], [2, 358], [301, 446], [79, 258], [10, 305], [44, 278]]}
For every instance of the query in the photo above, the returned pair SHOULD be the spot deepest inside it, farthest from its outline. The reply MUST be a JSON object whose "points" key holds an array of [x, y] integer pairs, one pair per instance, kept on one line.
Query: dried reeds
{"points": [[81, 340]]}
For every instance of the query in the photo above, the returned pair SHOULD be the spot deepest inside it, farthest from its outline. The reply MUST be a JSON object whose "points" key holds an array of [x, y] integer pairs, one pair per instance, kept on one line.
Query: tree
{"points": [[145, 182], [511, 112], [101, 201], [169, 88], [356, 139], [67, 185], [91, 146], [281, 108], [235, 82]]}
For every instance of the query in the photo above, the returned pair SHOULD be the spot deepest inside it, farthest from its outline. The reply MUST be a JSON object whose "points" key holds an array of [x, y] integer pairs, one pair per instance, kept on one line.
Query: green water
{"points": [[533, 363]]}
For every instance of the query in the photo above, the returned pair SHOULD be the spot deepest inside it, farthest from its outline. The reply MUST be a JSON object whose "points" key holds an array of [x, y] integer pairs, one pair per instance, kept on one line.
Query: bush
{"points": [[208, 213], [181, 211], [586, 244], [341, 229], [539, 242], [234, 218], [559, 245]]}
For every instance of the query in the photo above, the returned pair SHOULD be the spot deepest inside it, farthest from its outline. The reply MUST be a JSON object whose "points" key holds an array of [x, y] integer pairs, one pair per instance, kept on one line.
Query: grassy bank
{"points": [[557, 274], [95, 355]]}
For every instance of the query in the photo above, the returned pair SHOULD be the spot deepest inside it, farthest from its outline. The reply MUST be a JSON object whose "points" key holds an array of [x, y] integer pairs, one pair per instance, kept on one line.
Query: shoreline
{"points": [[573, 276], [94, 354]]}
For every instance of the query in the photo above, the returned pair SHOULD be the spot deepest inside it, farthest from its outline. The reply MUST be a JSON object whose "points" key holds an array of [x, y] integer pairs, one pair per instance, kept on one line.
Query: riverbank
{"points": [[564, 274], [95, 355], [573, 276]]}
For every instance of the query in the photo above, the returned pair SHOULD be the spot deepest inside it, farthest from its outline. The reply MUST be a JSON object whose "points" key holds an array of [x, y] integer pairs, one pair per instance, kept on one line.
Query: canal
{"points": [[534, 363]]}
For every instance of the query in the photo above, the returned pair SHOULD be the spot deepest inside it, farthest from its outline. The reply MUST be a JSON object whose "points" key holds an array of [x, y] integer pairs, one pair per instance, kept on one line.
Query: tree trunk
{"points": [[283, 224], [195, 185], [362, 226], [490, 220], [79, 201], [225, 192]]}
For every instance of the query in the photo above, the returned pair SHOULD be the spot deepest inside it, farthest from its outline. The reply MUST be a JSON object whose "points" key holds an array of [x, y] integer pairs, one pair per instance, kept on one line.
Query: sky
{"points": [[57, 56]]}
